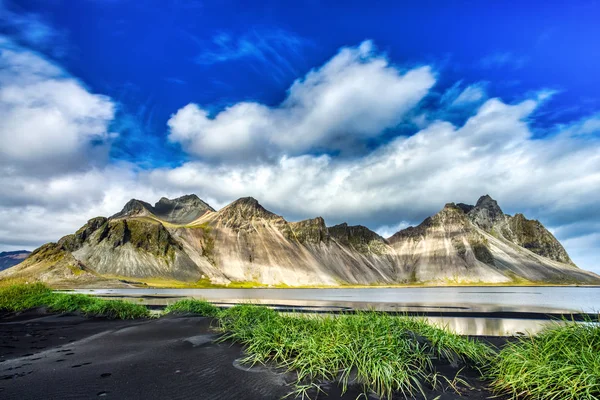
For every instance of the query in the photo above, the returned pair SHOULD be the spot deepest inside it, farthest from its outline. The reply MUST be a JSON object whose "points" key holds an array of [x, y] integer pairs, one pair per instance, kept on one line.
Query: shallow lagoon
{"points": [[483, 310]]}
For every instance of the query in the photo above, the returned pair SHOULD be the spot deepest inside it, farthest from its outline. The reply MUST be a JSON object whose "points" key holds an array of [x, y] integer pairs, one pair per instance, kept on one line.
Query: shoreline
{"points": [[46, 355], [284, 354]]}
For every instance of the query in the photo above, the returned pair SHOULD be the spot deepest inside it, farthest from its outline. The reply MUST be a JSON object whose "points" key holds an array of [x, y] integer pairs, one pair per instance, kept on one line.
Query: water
{"points": [[465, 310]]}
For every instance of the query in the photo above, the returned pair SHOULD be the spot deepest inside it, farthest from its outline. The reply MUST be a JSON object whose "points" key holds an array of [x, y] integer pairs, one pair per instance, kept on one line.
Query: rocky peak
{"points": [[450, 214], [310, 230], [359, 237], [451, 218], [465, 207], [532, 235], [181, 210], [248, 207], [188, 199], [241, 213], [133, 208], [486, 213], [346, 233]]}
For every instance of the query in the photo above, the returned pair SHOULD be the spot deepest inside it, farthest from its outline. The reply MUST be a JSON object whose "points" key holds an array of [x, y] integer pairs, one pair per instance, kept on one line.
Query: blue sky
{"points": [[394, 108]]}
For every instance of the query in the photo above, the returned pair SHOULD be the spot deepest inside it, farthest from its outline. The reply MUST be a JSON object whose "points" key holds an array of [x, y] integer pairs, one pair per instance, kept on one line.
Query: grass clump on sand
{"points": [[24, 297], [200, 307], [561, 362], [384, 353]]}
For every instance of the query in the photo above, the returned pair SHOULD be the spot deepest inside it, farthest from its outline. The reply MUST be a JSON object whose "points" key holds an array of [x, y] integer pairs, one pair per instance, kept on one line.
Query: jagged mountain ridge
{"points": [[181, 210], [187, 240]]}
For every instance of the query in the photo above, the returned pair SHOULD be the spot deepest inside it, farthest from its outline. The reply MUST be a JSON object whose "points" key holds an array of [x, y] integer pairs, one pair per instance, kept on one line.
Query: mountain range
{"points": [[10, 258], [186, 240]]}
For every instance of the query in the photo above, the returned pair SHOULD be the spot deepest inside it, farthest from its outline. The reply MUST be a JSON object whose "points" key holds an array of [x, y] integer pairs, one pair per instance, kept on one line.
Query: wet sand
{"points": [[73, 357]]}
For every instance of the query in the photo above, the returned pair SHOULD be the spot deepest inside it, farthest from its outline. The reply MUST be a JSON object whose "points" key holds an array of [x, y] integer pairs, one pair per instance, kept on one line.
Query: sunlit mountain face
{"points": [[372, 115]]}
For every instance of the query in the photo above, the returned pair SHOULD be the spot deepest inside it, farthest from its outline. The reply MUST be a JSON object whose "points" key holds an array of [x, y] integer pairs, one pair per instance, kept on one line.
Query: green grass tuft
{"points": [[200, 307], [24, 297], [561, 362], [384, 353]]}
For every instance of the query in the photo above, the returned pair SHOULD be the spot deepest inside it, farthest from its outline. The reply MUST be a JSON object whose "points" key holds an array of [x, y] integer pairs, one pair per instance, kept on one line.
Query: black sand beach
{"points": [[68, 356]]}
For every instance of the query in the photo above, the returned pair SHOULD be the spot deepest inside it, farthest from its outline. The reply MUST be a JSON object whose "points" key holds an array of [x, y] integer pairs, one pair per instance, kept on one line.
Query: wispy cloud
{"points": [[503, 60], [457, 96], [31, 29], [176, 81], [278, 50]]}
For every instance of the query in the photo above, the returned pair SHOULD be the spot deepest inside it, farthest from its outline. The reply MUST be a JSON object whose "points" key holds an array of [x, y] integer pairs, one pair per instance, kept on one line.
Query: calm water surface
{"points": [[521, 299], [461, 301]]}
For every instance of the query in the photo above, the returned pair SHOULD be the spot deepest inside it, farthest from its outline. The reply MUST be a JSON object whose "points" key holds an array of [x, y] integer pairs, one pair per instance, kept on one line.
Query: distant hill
{"points": [[186, 240], [10, 258]]}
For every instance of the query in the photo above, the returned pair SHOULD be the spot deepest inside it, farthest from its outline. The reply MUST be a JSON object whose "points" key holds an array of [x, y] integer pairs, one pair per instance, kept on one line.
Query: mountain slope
{"points": [[480, 243], [187, 240], [529, 234]]}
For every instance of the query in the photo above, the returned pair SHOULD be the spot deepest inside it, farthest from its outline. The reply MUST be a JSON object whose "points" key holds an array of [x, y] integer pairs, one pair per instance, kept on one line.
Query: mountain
{"points": [[482, 244], [187, 240], [181, 210], [10, 258]]}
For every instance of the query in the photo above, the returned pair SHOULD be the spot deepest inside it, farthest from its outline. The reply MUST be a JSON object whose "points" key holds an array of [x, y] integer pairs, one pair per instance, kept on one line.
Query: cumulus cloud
{"points": [[48, 120], [42, 197], [355, 96], [556, 179]]}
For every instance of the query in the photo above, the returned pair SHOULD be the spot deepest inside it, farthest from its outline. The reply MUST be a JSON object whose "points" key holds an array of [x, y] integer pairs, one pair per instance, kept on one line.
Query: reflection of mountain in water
{"points": [[491, 326]]}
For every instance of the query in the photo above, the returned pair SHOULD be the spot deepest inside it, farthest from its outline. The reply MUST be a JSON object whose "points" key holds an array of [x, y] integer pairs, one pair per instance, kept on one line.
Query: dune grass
{"points": [[384, 353], [200, 307], [24, 297], [561, 362]]}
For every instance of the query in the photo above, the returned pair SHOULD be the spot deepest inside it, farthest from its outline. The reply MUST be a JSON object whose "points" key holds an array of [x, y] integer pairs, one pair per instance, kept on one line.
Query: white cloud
{"points": [[503, 60], [412, 177], [355, 96], [47, 194], [48, 120], [386, 231], [471, 94], [31, 29]]}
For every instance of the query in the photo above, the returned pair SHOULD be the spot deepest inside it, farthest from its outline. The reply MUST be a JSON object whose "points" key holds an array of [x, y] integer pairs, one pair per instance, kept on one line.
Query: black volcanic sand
{"points": [[73, 357]]}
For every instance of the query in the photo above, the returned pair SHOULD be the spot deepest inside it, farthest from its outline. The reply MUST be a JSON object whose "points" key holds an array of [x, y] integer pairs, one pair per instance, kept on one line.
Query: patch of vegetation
{"points": [[384, 353], [24, 297], [562, 362], [308, 231], [208, 248], [200, 307], [480, 247], [460, 247], [153, 238], [245, 285]]}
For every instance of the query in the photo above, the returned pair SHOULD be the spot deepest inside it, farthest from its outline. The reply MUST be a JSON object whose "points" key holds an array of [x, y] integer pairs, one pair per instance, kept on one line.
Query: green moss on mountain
{"points": [[360, 238], [532, 235], [309, 231], [74, 241], [480, 247]]}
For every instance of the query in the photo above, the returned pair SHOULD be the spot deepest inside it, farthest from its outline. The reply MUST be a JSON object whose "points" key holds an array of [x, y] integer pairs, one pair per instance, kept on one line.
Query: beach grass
{"points": [[383, 353], [386, 354], [193, 306], [24, 297], [561, 362]]}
